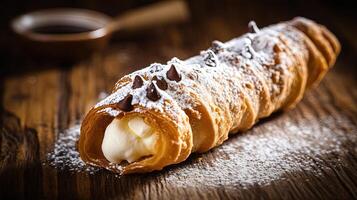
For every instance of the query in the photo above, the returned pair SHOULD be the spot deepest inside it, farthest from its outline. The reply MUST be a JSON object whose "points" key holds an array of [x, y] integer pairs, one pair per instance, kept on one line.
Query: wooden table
{"points": [[37, 105]]}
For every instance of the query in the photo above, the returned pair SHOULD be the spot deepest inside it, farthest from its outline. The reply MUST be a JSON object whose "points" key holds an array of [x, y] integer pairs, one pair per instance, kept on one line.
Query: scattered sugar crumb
{"points": [[246, 159], [65, 155], [260, 158]]}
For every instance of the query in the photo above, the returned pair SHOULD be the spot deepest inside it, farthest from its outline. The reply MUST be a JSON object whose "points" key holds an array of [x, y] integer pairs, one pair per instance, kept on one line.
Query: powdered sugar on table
{"points": [[260, 156]]}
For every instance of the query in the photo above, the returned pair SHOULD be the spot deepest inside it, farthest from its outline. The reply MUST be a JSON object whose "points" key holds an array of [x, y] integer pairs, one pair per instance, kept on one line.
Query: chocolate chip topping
{"points": [[152, 93], [209, 59], [160, 82], [247, 52], [253, 28], [277, 48], [138, 82], [125, 104], [172, 74], [155, 68]]}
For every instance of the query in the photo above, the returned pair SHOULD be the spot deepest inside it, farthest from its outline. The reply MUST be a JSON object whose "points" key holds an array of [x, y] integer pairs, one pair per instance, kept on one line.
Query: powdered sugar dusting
{"points": [[259, 158], [211, 71], [263, 155], [256, 69], [281, 147], [65, 155], [110, 111]]}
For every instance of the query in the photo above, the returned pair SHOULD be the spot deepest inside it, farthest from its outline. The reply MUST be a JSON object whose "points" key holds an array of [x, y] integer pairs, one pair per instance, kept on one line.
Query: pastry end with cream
{"points": [[128, 140]]}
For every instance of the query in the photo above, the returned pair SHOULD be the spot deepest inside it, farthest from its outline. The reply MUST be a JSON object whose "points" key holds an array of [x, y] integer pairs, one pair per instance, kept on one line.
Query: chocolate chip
{"points": [[172, 74], [247, 52], [253, 28], [125, 104], [160, 82], [277, 48], [138, 82], [155, 68], [152, 93], [210, 59]]}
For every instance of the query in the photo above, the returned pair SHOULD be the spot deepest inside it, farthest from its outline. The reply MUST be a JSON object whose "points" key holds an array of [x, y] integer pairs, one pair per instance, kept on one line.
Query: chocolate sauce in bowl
{"points": [[61, 29]]}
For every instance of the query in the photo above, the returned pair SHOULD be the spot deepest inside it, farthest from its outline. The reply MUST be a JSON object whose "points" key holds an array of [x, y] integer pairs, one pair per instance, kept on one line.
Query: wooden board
{"points": [[38, 105]]}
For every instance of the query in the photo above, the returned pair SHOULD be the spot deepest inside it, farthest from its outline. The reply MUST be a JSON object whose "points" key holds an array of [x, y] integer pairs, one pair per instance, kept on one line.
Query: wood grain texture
{"points": [[37, 105]]}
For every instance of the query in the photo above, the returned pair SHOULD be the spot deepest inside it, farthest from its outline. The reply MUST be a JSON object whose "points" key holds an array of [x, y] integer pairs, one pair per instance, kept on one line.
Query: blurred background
{"points": [[223, 19], [41, 96]]}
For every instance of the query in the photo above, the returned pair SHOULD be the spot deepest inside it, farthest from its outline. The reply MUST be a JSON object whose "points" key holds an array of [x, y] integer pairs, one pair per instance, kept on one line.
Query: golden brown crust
{"points": [[314, 32], [332, 39]]}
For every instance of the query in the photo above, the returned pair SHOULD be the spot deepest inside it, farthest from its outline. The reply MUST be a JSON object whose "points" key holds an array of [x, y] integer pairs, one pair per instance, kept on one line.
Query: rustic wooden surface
{"points": [[39, 100]]}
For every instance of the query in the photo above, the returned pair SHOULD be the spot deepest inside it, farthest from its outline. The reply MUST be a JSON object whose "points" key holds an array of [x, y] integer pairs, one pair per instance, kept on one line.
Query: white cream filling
{"points": [[128, 140]]}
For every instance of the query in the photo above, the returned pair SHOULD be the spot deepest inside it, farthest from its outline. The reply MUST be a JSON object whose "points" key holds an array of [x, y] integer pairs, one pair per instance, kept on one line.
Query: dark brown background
{"points": [[41, 98]]}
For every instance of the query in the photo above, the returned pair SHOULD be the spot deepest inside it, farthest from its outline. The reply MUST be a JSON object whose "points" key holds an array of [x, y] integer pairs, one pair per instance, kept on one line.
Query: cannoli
{"points": [[159, 115]]}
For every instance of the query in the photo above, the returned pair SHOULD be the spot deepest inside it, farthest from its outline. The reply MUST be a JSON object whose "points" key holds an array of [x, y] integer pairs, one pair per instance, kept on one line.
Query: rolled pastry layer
{"points": [[159, 115]]}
